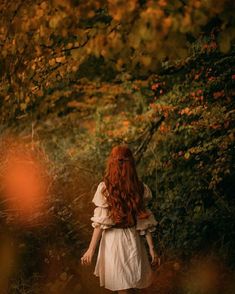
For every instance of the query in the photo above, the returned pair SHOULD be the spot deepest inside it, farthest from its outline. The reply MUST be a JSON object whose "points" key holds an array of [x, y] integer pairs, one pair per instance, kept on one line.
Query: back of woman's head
{"points": [[125, 190]]}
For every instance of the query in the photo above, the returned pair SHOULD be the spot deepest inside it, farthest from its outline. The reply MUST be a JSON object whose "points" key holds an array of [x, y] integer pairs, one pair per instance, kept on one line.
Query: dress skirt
{"points": [[122, 260]]}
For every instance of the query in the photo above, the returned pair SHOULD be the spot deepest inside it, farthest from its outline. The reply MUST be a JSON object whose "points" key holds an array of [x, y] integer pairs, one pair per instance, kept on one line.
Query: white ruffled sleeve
{"points": [[148, 224], [101, 217]]}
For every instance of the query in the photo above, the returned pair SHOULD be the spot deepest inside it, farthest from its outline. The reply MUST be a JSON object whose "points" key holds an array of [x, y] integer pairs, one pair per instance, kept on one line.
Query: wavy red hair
{"points": [[123, 189]]}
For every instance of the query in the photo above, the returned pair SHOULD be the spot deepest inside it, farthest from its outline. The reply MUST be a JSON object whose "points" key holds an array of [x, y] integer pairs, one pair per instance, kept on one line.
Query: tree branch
{"points": [[147, 136]]}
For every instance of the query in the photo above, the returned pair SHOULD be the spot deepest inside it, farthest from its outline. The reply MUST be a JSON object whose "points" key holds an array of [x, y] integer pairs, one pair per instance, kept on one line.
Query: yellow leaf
{"points": [[146, 60], [60, 59], [187, 155], [23, 106], [69, 45], [52, 62], [76, 53], [54, 21], [27, 99]]}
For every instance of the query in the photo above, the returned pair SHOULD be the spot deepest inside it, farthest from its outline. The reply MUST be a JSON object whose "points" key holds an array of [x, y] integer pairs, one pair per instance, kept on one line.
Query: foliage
{"points": [[193, 159], [47, 46]]}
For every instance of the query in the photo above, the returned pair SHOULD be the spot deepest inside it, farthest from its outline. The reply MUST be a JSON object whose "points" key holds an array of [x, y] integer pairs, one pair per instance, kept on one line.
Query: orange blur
{"points": [[25, 187]]}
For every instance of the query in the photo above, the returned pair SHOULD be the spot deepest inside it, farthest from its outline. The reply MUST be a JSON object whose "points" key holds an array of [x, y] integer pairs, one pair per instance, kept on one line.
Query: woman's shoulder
{"points": [[99, 198]]}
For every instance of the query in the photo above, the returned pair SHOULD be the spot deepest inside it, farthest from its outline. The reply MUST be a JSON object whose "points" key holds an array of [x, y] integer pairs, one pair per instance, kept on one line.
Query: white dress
{"points": [[122, 260]]}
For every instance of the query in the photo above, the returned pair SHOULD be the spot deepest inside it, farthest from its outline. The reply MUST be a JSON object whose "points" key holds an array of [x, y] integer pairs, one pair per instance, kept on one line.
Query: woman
{"points": [[120, 218]]}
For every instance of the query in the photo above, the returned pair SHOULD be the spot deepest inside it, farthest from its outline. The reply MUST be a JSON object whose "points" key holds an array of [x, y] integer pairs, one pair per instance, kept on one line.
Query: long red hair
{"points": [[123, 189]]}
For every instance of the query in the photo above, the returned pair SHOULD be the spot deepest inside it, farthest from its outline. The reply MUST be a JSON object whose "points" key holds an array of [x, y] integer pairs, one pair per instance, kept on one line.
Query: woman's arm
{"points": [[154, 256], [87, 257]]}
